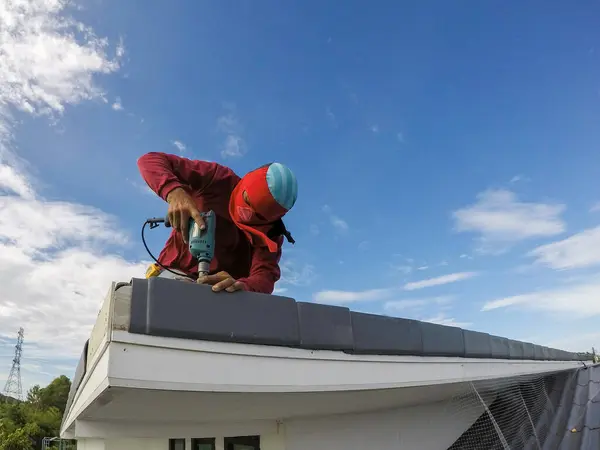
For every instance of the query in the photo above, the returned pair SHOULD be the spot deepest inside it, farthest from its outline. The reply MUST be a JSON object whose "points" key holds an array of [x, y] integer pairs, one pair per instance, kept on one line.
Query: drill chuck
{"points": [[202, 242], [203, 268]]}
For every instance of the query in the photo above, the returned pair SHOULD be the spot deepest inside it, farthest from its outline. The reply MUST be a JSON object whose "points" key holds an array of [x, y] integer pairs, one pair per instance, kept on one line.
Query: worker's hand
{"points": [[181, 208], [222, 281]]}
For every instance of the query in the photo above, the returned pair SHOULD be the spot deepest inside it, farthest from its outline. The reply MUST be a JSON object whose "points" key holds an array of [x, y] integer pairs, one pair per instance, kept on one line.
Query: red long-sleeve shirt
{"points": [[210, 185]]}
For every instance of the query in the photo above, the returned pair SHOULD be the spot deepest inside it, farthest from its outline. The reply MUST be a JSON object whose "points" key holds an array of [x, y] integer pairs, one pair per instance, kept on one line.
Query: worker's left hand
{"points": [[222, 281]]}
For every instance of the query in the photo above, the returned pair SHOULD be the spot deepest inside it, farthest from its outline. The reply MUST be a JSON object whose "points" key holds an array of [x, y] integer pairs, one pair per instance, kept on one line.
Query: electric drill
{"points": [[201, 242]]}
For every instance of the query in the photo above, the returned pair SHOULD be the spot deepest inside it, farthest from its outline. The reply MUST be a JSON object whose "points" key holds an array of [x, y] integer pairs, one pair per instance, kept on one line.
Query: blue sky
{"points": [[447, 155]]}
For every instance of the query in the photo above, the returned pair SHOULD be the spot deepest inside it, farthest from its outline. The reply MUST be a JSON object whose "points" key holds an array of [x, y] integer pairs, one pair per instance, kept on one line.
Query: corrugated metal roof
{"points": [[579, 407], [560, 411]]}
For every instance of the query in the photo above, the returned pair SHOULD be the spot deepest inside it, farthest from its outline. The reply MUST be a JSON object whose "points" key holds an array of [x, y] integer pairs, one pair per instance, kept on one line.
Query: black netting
{"points": [[516, 414]]}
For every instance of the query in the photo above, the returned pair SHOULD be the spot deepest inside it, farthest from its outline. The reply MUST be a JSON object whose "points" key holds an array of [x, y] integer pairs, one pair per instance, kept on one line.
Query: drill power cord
{"points": [[153, 224], [278, 229]]}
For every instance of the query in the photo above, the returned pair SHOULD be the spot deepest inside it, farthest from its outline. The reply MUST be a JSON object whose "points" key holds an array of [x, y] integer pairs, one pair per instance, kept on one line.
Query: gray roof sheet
{"points": [[579, 409], [556, 412], [166, 307]]}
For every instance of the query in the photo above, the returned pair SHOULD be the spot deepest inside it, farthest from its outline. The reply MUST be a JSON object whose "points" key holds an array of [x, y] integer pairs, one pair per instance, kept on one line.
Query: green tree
{"points": [[34, 396], [56, 393], [48, 421], [23, 425], [16, 413], [23, 438]]}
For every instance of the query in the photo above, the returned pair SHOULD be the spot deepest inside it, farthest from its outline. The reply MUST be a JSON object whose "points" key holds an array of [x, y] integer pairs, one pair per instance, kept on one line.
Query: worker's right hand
{"points": [[181, 208]]}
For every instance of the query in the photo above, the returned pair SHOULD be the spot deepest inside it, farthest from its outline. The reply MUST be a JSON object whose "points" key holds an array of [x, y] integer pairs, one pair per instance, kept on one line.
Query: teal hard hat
{"points": [[282, 185]]}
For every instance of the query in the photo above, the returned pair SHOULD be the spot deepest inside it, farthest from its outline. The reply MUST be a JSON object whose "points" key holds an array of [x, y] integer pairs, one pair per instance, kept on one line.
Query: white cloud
{"points": [[13, 182], [117, 105], [55, 268], [338, 223], [400, 137], [234, 144], [280, 290], [518, 178], [577, 251], [595, 207], [120, 50], [401, 305], [404, 269], [437, 281], [345, 297], [425, 267], [573, 301], [515, 179], [442, 319], [374, 128], [53, 224], [180, 146], [314, 229], [51, 261], [499, 219], [143, 188], [43, 66], [415, 308], [364, 245], [295, 274], [412, 303], [228, 122]]}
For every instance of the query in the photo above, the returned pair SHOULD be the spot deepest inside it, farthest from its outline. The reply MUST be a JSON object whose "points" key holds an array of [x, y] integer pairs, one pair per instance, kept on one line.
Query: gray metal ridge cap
{"points": [[166, 307]]}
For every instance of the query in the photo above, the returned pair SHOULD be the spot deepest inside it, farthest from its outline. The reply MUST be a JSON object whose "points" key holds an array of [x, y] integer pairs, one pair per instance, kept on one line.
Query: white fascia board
{"points": [[93, 384], [150, 362]]}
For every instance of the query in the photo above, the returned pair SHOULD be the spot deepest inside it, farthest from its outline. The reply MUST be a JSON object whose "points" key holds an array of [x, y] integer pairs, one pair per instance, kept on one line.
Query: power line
{"points": [[13, 386]]}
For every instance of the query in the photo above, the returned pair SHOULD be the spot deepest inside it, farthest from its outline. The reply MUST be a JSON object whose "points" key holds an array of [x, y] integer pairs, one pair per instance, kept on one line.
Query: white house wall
{"points": [[138, 444], [91, 444], [267, 442], [125, 444], [427, 427], [432, 426]]}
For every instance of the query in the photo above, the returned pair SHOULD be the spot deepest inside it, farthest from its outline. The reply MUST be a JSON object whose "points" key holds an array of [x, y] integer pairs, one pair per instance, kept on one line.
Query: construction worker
{"points": [[249, 230]]}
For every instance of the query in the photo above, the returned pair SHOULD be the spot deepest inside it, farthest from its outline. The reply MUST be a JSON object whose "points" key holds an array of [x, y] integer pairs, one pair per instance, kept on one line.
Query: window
{"points": [[176, 444], [242, 443], [203, 444]]}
